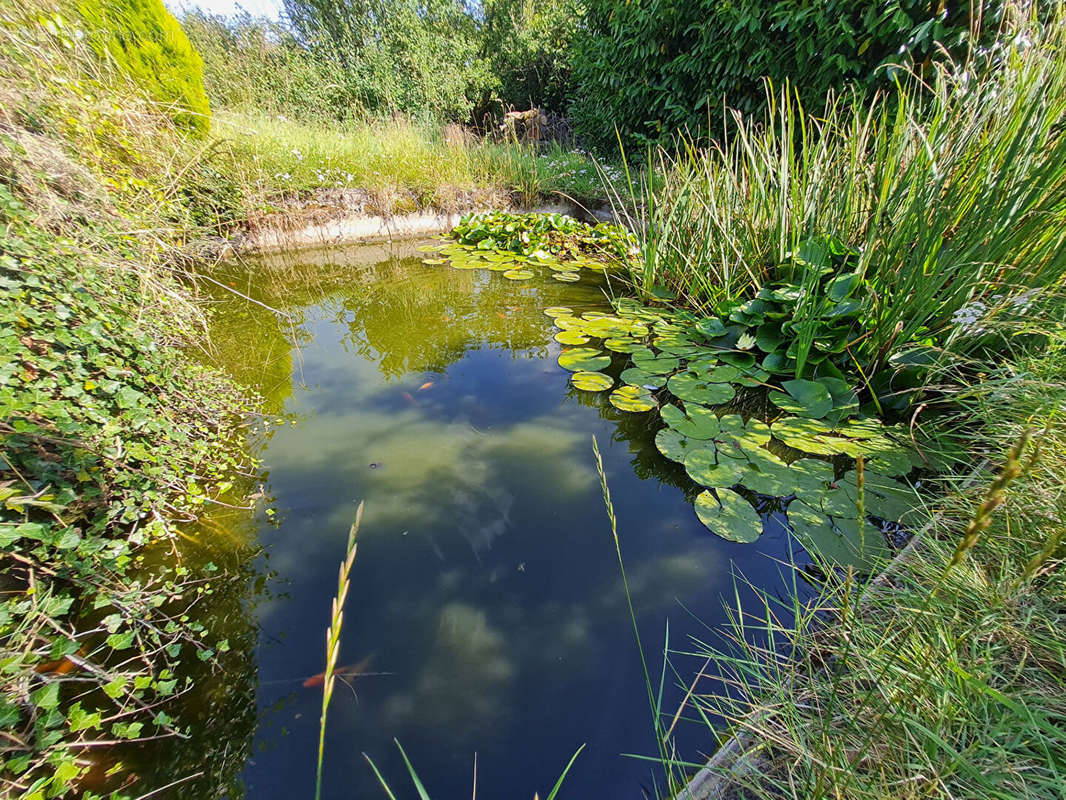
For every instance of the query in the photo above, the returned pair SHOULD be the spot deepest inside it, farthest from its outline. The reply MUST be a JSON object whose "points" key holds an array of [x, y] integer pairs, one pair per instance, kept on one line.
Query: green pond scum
{"points": [[733, 412]]}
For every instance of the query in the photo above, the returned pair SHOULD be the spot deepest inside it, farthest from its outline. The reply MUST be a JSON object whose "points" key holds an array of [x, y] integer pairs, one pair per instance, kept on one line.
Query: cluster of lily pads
{"points": [[559, 235], [754, 436], [749, 439]]}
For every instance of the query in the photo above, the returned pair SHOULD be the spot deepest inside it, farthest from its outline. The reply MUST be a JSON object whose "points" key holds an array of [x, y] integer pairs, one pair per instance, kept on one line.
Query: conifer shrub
{"points": [[144, 40]]}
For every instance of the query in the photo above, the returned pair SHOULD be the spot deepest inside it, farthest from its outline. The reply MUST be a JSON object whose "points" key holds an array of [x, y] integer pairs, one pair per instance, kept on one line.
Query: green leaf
{"points": [[805, 398], [632, 398], [584, 359], [591, 381], [730, 516]]}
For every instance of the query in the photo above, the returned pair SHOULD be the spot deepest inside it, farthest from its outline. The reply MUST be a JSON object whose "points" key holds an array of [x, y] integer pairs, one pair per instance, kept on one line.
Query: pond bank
{"points": [[342, 217]]}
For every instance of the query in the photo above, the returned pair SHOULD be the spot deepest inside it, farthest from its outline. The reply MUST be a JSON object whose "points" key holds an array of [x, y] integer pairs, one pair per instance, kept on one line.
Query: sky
{"points": [[257, 8]]}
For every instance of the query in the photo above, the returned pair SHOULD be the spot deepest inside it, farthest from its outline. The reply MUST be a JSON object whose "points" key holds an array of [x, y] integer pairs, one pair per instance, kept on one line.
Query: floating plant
{"points": [[747, 411]]}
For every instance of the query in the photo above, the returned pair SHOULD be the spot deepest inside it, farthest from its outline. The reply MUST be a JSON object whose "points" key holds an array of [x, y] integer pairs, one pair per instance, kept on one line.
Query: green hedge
{"points": [[148, 43], [652, 67]]}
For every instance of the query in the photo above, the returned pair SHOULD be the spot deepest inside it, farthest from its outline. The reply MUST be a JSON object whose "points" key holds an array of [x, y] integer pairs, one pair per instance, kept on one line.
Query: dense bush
{"points": [[143, 38], [256, 64], [651, 67], [528, 45], [421, 58]]}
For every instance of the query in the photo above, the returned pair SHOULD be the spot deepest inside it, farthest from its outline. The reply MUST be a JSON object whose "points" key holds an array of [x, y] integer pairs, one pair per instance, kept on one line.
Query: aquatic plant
{"points": [[877, 228], [752, 436]]}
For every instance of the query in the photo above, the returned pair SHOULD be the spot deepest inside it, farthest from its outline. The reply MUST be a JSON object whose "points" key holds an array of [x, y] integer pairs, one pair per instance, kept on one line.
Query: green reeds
{"points": [[333, 642], [951, 192], [424, 795]]}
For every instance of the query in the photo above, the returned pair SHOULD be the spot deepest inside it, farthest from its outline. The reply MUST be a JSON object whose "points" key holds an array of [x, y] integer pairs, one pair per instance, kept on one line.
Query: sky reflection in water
{"points": [[486, 587]]}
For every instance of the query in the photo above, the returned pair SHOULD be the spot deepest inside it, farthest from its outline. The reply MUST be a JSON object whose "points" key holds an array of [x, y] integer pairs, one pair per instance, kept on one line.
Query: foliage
{"points": [[923, 215], [751, 438], [528, 45], [144, 40], [945, 679], [655, 67], [415, 57], [259, 67], [107, 439], [543, 236]]}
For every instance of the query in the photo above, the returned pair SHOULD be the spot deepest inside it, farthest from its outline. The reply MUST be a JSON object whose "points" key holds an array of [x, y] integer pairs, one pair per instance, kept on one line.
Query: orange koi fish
{"points": [[424, 386], [350, 671]]}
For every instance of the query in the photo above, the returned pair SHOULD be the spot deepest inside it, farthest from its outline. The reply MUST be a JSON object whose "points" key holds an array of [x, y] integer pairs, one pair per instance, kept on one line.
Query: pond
{"points": [[486, 614]]}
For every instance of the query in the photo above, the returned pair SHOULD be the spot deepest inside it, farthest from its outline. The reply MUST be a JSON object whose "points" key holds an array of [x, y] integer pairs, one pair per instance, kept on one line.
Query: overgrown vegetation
{"points": [[946, 680], [113, 435], [927, 212]]}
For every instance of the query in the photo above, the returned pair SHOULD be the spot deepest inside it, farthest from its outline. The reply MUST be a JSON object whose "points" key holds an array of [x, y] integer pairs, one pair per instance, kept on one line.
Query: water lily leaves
{"points": [[729, 516], [703, 466], [632, 398], [558, 311], [741, 360], [753, 377], [648, 361], [638, 377], [711, 327], [767, 474], [768, 337], [434, 261], [584, 359], [778, 363], [807, 435], [518, 274], [568, 322], [811, 476], [622, 345], [692, 387], [698, 423], [675, 446], [804, 398], [591, 381], [571, 337], [430, 248], [835, 543], [886, 498], [736, 434], [566, 277]]}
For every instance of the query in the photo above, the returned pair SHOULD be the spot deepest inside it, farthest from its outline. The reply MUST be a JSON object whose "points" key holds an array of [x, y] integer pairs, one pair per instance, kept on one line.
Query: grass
{"points": [[950, 193], [404, 166], [333, 642]]}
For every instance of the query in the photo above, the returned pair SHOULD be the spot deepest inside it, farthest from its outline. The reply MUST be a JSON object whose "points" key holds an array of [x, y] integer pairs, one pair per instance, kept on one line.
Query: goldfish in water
{"points": [[409, 398], [350, 671], [424, 386]]}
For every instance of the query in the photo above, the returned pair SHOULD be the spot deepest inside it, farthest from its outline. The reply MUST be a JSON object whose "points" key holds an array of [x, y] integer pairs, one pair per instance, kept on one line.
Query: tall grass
{"points": [[333, 642], [953, 191], [402, 164]]}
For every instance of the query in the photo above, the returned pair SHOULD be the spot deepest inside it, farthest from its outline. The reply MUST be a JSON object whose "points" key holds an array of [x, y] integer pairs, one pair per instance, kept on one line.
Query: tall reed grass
{"points": [[952, 192]]}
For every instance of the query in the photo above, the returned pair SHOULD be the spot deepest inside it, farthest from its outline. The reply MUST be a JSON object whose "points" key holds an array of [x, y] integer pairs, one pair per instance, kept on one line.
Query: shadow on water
{"points": [[486, 590]]}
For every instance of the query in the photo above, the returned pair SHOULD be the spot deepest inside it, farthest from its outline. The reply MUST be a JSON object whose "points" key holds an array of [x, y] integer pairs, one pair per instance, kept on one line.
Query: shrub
{"points": [[144, 40], [653, 67]]}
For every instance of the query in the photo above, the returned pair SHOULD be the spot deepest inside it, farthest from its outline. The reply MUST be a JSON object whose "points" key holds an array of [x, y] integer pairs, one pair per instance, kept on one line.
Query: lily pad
{"points": [[566, 277], [519, 274], [632, 398], [729, 516], [571, 337], [804, 398], [638, 377], [767, 474], [622, 345], [558, 311], [704, 467], [649, 361], [736, 436], [591, 381], [582, 359], [675, 446], [430, 248], [434, 261], [691, 387], [697, 423], [841, 545]]}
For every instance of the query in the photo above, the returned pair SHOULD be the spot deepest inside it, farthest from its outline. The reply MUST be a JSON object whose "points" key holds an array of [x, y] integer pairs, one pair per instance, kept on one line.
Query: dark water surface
{"points": [[486, 591]]}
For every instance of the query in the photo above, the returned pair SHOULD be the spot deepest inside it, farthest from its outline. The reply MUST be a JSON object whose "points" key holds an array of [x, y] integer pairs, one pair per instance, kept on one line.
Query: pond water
{"points": [[486, 609]]}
